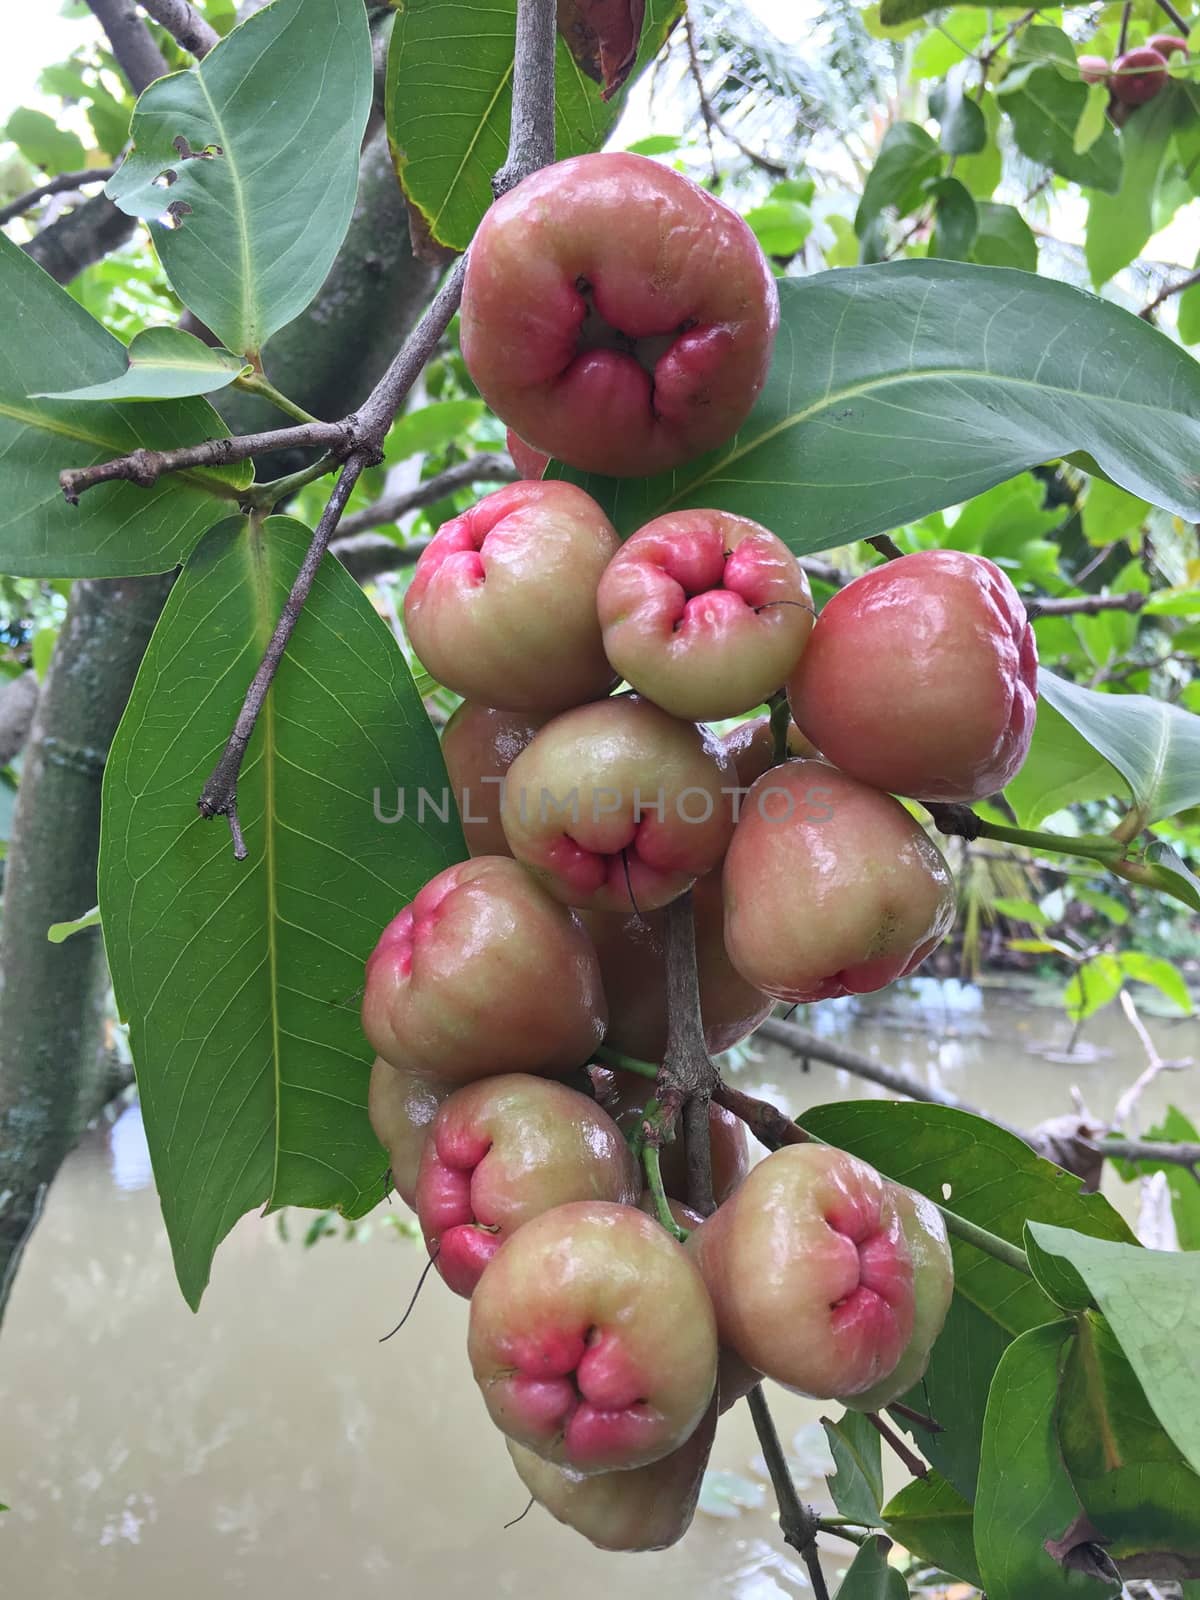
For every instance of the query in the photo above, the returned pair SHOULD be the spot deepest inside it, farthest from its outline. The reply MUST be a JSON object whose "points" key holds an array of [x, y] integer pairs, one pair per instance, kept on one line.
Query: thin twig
{"points": [[765, 1121], [1168, 1153], [712, 119], [1123, 36], [917, 1418], [1147, 311], [1084, 605], [798, 1523], [185, 25], [1169, 10], [1154, 1062], [886, 546], [896, 1444], [483, 468], [59, 185]]}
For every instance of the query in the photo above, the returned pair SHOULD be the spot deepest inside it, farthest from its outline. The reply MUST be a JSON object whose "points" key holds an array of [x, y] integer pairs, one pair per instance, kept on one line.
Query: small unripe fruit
{"points": [[933, 1289], [530, 463], [921, 678], [624, 1095], [479, 744], [1093, 69], [646, 1508], [830, 886], [705, 613], [402, 1107], [617, 315], [502, 605], [593, 1340], [1138, 76], [633, 969], [809, 1272], [483, 973], [501, 1152], [1167, 45], [751, 746], [618, 806]]}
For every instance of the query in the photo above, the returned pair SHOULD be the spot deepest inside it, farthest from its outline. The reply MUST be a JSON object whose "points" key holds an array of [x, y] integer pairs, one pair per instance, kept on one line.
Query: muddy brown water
{"points": [[271, 1446]]}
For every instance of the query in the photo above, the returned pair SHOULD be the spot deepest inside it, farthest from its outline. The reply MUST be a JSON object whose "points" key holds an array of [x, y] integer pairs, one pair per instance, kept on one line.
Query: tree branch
{"points": [[482, 468], [1084, 605], [86, 234], [138, 56], [59, 185], [712, 119], [687, 1078], [798, 1523], [185, 25]]}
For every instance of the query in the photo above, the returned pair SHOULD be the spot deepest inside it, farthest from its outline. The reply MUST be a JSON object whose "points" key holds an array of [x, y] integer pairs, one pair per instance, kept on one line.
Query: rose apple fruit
{"points": [[1167, 44], [483, 973], [529, 463], [617, 316], [401, 1108], [1138, 76], [646, 1508], [618, 805], [921, 678], [624, 1095], [810, 1273], [502, 1151], [592, 1338], [633, 970], [830, 886], [502, 605], [705, 613], [1093, 69], [933, 1288], [479, 744], [751, 747]]}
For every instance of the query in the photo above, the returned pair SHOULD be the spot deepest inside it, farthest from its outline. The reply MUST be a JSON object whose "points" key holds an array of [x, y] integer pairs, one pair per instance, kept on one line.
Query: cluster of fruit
{"points": [[1137, 75], [603, 1346]]}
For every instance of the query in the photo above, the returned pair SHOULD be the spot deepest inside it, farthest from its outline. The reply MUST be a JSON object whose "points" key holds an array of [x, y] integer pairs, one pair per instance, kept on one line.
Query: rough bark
{"points": [[85, 235], [17, 702]]}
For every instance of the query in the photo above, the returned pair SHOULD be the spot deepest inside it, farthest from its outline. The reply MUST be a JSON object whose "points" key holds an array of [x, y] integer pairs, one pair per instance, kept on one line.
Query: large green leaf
{"points": [[449, 101], [870, 1577], [164, 364], [241, 980], [930, 1518], [901, 388], [261, 142], [1153, 745], [51, 342], [1025, 1492], [1061, 769], [857, 1484], [1045, 109], [1151, 1299], [41, 141], [1120, 223]]}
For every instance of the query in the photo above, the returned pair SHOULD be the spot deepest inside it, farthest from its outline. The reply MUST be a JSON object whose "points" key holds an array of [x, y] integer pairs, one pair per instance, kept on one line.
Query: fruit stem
{"points": [[897, 1445], [781, 716], [614, 1058], [845, 1528], [258, 383], [999, 1249], [268, 495], [961, 822], [798, 1523], [654, 1182]]}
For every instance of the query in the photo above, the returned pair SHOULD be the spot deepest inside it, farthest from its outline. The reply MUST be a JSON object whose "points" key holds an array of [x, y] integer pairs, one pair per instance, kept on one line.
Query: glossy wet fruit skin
{"points": [[1138, 76], [617, 316], [401, 1107], [809, 1272], [618, 806], [502, 605], [483, 973], [593, 1340], [646, 1508], [1093, 69], [529, 463], [624, 1095], [705, 613], [501, 1152], [921, 678], [479, 744], [751, 747], [830, 886], [633, 968], [933, 1289]]}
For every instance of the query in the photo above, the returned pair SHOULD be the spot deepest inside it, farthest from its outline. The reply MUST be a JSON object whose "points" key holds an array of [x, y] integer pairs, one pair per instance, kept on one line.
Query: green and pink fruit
{"points": [[831, 887], [633, 969], [483, 973], [705, 613], [933, 1289], [624, 1095], [479, 744], [645, 1508], [751, 747], [921, 678], [617, 315], [810, 1273], [1138, 76], [501, 1152], [1093, 69], [502, 605], [619, 806], [401, 1108], [592, 1338]]}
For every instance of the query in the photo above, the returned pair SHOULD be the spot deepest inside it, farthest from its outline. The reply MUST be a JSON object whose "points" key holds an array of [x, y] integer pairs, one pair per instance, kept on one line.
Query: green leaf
{"points": [[1025, 1492], [930, 1518], [1045, 109], [41, 650], [449, 100], [943, 47], [1174, 603], [981, 173], [1036, 947], [58, 932], [1149, 1298], [1003, 238], [116, 529], [898, 389], [1039, 43], [1153, 745], [907, 159], [963, 127], [781, 226], [1092, 986], [857, 1485], [1092, 120], [1172, 875], [42, 142], [1106, 904], [1120, 223], [1110, 513], [164, 364], [869, 1576], [1183, 1184], [956, 220], [1189, 313], [241, 980], [431, 428], [1061, 769], [269, 196], [1021, 911], [1162, 974], [657, 144]]}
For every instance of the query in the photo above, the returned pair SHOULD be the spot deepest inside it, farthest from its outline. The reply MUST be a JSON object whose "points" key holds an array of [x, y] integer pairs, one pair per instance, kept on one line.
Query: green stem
{"points": [[268, 495], [991, 1244], [258, 383], [614, 1058], [1091, 847], [654, 1182], [843, 1528]]}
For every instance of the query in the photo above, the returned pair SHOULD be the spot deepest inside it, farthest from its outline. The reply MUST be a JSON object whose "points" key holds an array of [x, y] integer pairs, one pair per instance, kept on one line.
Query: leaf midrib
{"points": [[249, 308]]}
